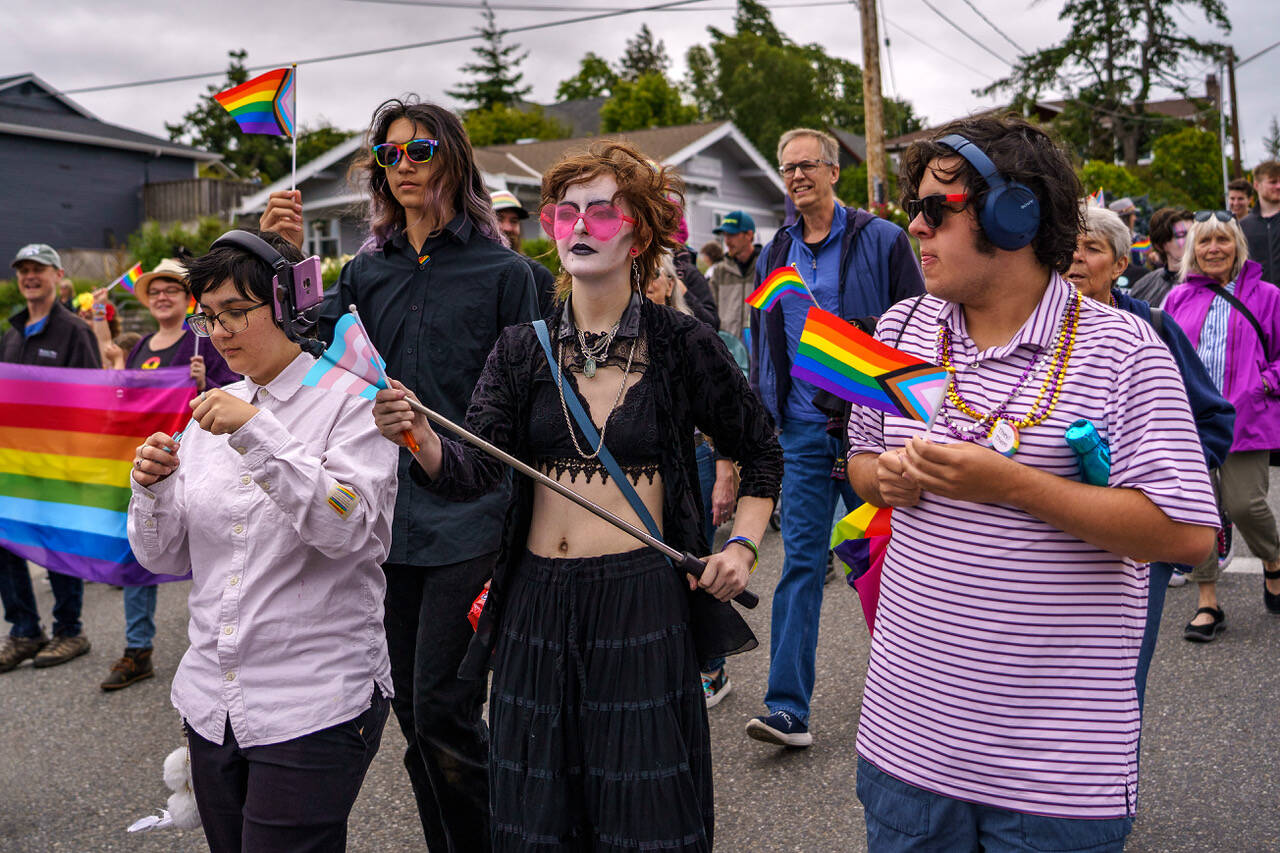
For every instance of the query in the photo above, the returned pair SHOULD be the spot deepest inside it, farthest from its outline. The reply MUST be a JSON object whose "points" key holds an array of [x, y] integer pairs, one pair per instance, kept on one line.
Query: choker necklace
{"points": [[998, 426], [597, 352]]}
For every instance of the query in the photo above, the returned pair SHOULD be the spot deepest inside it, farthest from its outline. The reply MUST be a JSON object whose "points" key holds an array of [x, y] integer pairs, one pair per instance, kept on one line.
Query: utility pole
{"points": [[1236, 171], [873, 106]]}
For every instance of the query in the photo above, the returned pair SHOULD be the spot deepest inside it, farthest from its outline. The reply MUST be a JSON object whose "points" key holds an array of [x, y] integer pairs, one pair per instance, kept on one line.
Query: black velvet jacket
{"points": [[696, 385]]}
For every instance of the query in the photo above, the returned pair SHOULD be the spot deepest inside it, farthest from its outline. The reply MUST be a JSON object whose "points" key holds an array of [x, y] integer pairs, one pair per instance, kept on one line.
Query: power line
{"points": [[374, 51], [888, 54], [991, 24], [964, 32], [951, 59], [530, 7]]}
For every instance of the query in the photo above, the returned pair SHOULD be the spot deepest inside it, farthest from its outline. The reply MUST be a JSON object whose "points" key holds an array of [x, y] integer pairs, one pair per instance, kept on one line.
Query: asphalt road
{"points": [[77, 766]]}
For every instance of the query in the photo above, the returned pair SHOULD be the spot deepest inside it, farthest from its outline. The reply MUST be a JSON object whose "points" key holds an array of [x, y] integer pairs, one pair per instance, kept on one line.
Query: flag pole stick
{"points": [[409, 440], [805, 283], [293, 171], [688, 562]]}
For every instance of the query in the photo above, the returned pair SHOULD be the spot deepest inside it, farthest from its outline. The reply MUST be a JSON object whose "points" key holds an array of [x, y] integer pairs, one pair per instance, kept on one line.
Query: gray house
{"points": [[69, 178], [722, 170]]}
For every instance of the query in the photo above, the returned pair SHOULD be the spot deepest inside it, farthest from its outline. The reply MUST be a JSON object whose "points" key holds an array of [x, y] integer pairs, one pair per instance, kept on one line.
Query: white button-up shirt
{"points": [[285, 524]]}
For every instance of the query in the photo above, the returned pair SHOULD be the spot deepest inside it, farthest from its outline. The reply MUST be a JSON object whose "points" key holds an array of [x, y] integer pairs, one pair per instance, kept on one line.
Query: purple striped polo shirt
{"points": [[1003, 659]]}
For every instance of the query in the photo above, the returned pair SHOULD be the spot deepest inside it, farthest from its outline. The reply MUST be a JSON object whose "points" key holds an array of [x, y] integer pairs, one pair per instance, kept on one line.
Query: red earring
{"points": [[634, 251]]}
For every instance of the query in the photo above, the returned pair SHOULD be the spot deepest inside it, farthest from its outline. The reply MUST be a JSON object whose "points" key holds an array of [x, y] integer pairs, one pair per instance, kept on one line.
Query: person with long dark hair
{"points": [[600, 736]]}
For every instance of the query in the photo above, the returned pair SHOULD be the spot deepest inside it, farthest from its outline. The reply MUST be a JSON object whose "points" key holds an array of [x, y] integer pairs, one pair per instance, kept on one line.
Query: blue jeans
{"points": [[1157, 586], [902, 818], [809, 497], [139, 616], [20, 599]]}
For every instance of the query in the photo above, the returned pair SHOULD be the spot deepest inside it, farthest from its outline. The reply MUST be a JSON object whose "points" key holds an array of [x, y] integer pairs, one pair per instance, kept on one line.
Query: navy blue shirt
{"points": [[434, 315]]}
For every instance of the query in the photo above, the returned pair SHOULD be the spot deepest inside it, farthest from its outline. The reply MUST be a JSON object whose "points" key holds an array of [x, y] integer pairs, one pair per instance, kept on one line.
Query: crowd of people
{"points": [[336, 553]]}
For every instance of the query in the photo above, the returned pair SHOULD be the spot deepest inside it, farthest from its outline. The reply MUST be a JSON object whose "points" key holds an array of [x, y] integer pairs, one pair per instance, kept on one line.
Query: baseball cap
{"points": [[41, 253], [735, 223], [506, 200]]}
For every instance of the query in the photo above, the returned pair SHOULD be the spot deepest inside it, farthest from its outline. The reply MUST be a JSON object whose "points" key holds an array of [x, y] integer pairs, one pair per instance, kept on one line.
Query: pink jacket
{"points": [[1252, 378]]}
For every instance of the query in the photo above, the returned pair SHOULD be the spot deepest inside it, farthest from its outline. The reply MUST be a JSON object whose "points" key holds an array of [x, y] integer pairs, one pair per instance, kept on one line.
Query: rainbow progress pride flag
{"points": [[265, 104], [129, 279], [780, 282], [860, 540], [350, 364], [837, 357], [67, 440]]}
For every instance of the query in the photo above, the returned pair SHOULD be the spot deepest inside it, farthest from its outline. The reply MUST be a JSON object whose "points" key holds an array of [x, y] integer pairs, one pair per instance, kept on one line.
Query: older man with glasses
{"points": [[856, 266]]}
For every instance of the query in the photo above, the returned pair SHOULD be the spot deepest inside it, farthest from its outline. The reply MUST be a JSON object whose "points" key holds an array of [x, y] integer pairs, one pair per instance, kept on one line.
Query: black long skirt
{"points": [[599, 726]]}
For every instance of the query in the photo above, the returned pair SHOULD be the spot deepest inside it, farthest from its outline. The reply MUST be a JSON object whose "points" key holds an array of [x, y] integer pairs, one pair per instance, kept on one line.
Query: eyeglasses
{"points": [[233, 321], [387, 154], [933, 207], [1220, 215], [805, 166], [170, 292], [601, 221]]}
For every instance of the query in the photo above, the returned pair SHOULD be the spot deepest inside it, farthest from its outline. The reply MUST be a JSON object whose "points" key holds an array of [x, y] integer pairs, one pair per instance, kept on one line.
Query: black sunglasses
{"points": [[387, 154], [1220, 215], [933, 207]]}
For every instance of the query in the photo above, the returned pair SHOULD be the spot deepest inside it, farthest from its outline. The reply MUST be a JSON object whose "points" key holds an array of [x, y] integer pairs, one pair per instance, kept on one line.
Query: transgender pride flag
{"points": [[350, 364]]}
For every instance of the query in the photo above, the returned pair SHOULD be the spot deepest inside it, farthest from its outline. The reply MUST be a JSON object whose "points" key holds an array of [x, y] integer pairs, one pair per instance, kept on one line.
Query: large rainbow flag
{"points": [[840, 358], [780, 282], [860, 540], [67, 440], [265, 104]]}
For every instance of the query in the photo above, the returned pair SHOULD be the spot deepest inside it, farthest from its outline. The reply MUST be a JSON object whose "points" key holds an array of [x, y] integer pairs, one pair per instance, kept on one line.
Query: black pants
{"points": [[448, 743], [295, 795]]}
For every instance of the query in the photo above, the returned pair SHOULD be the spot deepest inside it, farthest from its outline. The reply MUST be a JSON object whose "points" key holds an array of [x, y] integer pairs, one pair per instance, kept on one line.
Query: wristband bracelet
{"points": [[755, 551]]}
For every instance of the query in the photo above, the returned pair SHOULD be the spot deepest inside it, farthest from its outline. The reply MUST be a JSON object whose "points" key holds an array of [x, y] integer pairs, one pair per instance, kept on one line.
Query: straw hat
{"points": [[168, 268]]}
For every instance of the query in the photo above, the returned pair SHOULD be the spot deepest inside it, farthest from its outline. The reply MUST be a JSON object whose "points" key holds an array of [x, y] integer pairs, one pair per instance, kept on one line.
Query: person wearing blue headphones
{"points": [[1000, 709]]}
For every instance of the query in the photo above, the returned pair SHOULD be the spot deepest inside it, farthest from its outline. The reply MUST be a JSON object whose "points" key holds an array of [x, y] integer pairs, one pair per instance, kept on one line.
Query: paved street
{"points": [[77, 766]]}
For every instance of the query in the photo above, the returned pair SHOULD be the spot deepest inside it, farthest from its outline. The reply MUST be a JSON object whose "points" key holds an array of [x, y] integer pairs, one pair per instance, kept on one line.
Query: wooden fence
{"points": [[186, 201]]}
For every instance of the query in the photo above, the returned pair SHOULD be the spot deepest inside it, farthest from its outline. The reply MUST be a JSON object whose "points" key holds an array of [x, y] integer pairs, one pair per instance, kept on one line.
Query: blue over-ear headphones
{"points": [[1011, 215]]}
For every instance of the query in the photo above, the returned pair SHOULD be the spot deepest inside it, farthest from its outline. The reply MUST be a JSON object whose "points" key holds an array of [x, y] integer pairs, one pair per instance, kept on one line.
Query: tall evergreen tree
{"points": [[643, 55], [496, 80], [1115, 54]]}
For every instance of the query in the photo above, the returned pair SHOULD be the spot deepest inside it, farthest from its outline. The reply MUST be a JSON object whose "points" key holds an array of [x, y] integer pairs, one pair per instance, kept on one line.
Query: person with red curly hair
{"points": [[599, 728]]}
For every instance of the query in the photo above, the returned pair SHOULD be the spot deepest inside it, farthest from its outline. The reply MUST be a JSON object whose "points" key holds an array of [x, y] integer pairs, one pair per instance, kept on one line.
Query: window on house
{"points": [[323, 238]]}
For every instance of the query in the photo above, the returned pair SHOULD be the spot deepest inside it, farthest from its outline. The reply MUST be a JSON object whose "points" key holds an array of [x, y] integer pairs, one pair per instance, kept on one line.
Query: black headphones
{"points": [[1011, 216], [296, 289]]}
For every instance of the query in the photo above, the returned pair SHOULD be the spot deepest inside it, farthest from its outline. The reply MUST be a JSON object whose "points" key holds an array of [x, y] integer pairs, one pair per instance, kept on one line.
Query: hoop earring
{"points": [[635, 275]]}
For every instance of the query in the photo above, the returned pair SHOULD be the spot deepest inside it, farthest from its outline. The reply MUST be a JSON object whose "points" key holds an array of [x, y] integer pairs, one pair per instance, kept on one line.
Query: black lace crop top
{"points": [[631, 431]]}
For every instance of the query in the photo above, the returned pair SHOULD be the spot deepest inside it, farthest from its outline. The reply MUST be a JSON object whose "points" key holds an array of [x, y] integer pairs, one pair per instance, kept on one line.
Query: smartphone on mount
{"points": [[307, 291]]}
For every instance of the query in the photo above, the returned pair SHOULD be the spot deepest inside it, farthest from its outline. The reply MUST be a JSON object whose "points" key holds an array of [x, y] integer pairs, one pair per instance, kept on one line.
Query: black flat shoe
{"points": [[1209, 632], [1270, 599]]}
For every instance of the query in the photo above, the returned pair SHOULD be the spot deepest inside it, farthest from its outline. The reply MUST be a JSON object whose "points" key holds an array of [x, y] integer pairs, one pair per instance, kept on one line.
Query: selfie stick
{"points": [[686, 561]]}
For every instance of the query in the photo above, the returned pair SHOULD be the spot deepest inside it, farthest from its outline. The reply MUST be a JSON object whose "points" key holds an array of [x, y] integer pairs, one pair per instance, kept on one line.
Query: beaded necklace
{"points": [[998, 426]]}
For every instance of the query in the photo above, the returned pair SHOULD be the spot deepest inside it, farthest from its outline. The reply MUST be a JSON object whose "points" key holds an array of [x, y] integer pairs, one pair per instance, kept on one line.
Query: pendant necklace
{"points": [[999, 427], [564, 407]]}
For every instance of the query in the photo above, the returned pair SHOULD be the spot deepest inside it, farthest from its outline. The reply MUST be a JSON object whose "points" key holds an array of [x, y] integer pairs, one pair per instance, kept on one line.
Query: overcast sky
{"points": [[81, 43]]}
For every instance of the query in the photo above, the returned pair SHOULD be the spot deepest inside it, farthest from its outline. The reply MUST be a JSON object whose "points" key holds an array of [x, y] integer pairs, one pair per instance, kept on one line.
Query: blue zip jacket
{"points": [[1214, 414], [864, 265]]}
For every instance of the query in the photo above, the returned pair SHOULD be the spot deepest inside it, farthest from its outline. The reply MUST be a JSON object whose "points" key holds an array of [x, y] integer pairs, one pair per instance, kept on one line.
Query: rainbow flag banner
{"points": [[860, 540], [842, 359], [350, 364], [1142, 244], [129, 279], [67, 440], [780, 282], [265, 104], [1098, 199]]}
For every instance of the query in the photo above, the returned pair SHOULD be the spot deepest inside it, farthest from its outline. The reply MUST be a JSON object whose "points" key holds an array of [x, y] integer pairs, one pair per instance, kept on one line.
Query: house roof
{"points": [[31, 107], [852, 143]]}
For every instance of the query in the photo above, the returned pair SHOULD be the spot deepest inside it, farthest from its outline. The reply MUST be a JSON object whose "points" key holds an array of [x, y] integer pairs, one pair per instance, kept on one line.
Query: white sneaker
{"points": [[1177, 579]]}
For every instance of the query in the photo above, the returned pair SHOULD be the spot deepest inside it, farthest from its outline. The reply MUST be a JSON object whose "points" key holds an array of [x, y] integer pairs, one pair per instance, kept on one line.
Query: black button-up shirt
{"points": [[434, 315]]}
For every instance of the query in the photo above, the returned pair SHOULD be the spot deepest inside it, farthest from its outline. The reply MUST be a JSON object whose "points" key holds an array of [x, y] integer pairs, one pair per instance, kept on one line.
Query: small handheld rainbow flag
{"points": [[860, 540], [129, 279], [1142, 244], [265, 104], [837, 357], [780, 282], [350, 364], [1097, 199]]}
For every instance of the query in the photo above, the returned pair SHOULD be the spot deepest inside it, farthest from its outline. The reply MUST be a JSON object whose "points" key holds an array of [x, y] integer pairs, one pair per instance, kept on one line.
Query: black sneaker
{"points": [[17, 649], [780, 728], [130, 669]]}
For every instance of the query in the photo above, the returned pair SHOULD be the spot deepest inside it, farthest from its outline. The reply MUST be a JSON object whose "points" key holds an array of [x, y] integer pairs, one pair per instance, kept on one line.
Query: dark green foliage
{"points": [[496, 80], [649, 101], [501, 125], [594, 78]]}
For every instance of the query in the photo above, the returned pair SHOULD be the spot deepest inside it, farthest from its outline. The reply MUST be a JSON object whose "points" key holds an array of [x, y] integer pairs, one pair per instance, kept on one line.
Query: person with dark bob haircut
{"points": [[435, 285], [1001, 706], [600, 738], [278, 496], [1169, 238]]}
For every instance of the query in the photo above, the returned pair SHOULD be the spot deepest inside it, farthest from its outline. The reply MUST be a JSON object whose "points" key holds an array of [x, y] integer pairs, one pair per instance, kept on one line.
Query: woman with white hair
{"points": [[1232, 317]]}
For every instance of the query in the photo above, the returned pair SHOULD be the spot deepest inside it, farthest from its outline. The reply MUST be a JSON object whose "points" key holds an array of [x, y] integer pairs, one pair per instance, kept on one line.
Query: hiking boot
{"points": [[62, 649], [130, 669], [17, 649]]}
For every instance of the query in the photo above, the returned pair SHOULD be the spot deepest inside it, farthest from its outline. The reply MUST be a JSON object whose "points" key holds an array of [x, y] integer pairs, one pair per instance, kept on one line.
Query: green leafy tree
{"points": [[1115, 181], [502, 125], [1186, 169], [1115, 54], [496, 79], [643, 55], [649, 101], [1271, 142], [594, 78], [543, 251], [153, 242]]}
